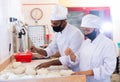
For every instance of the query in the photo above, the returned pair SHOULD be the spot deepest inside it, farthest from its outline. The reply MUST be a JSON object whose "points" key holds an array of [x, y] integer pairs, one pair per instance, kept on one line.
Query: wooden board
{"points": [[74, 78], [6, 63]]}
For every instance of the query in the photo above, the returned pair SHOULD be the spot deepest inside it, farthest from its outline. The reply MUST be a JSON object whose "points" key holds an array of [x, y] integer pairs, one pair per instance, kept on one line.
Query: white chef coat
{"points": [[70, 37], [99, 56]]}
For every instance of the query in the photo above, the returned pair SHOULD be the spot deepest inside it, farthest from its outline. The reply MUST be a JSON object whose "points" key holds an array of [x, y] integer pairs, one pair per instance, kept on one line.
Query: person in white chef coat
{"points": [[97, 54], [65, 35]]}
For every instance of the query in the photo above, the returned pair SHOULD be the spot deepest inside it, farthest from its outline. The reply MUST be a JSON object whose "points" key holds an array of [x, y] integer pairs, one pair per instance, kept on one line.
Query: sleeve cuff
{"points": [[48, 52], [63, 60], [71, 62], [96, 73]]}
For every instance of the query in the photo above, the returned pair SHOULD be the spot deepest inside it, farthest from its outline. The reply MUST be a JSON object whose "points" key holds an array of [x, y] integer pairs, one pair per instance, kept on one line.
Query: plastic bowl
{"points": [[23, 57]]}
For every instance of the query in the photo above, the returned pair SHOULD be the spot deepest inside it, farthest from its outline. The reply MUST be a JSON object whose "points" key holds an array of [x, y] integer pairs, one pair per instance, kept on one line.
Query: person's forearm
{"points": [[57, 54], [41, 52], [55, 62], [89, 73]]}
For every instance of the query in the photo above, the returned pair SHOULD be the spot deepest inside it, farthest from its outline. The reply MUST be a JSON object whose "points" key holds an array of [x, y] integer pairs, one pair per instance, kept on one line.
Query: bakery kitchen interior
{"points": [[28, 39]]}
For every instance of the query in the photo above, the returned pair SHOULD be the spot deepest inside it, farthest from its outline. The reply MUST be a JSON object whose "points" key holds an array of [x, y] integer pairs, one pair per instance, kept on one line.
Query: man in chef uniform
{"points": [[97, 55], [65, 35]]}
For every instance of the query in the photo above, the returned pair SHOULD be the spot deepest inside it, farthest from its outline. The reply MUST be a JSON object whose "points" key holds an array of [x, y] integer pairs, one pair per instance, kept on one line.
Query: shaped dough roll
{"points": [[30, 71], [42, 71], [16, 64], [66, 72], [19, 70]]}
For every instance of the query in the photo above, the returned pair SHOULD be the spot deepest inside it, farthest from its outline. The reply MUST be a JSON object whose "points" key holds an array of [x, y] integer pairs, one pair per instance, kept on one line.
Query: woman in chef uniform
{"points": [[66, 35], [97, 55]]}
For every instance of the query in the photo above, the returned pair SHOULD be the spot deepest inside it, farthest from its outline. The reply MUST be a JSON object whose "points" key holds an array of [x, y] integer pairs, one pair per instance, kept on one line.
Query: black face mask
{"points": [[58, 28], [92, 35]]}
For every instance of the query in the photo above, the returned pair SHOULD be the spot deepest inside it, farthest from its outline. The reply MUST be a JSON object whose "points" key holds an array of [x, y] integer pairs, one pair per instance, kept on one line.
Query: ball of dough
{"points": [[19, 70], [57, 68], [13, 77], [53, 74], [26, 77], [42, 71], [16, 64], [6, 75], [66, 72], [30, 71]]}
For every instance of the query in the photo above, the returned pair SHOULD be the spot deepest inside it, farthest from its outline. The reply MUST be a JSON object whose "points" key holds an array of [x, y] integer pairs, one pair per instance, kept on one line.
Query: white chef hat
{"points": [[91, 21], [59, 13]]}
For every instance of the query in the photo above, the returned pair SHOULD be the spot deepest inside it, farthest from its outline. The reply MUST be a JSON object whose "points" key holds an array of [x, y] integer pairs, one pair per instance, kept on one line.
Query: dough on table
{"points": [[57, 68], [42, 71], [53, 74], [6, 75], [26, 77], [19, 70], [13, 77], [16, 64], [30, 71], [66, 72]]}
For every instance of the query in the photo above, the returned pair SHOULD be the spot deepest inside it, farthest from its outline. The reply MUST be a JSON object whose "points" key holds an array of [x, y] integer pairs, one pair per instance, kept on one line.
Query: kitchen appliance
{"points": [[19, 35]]}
